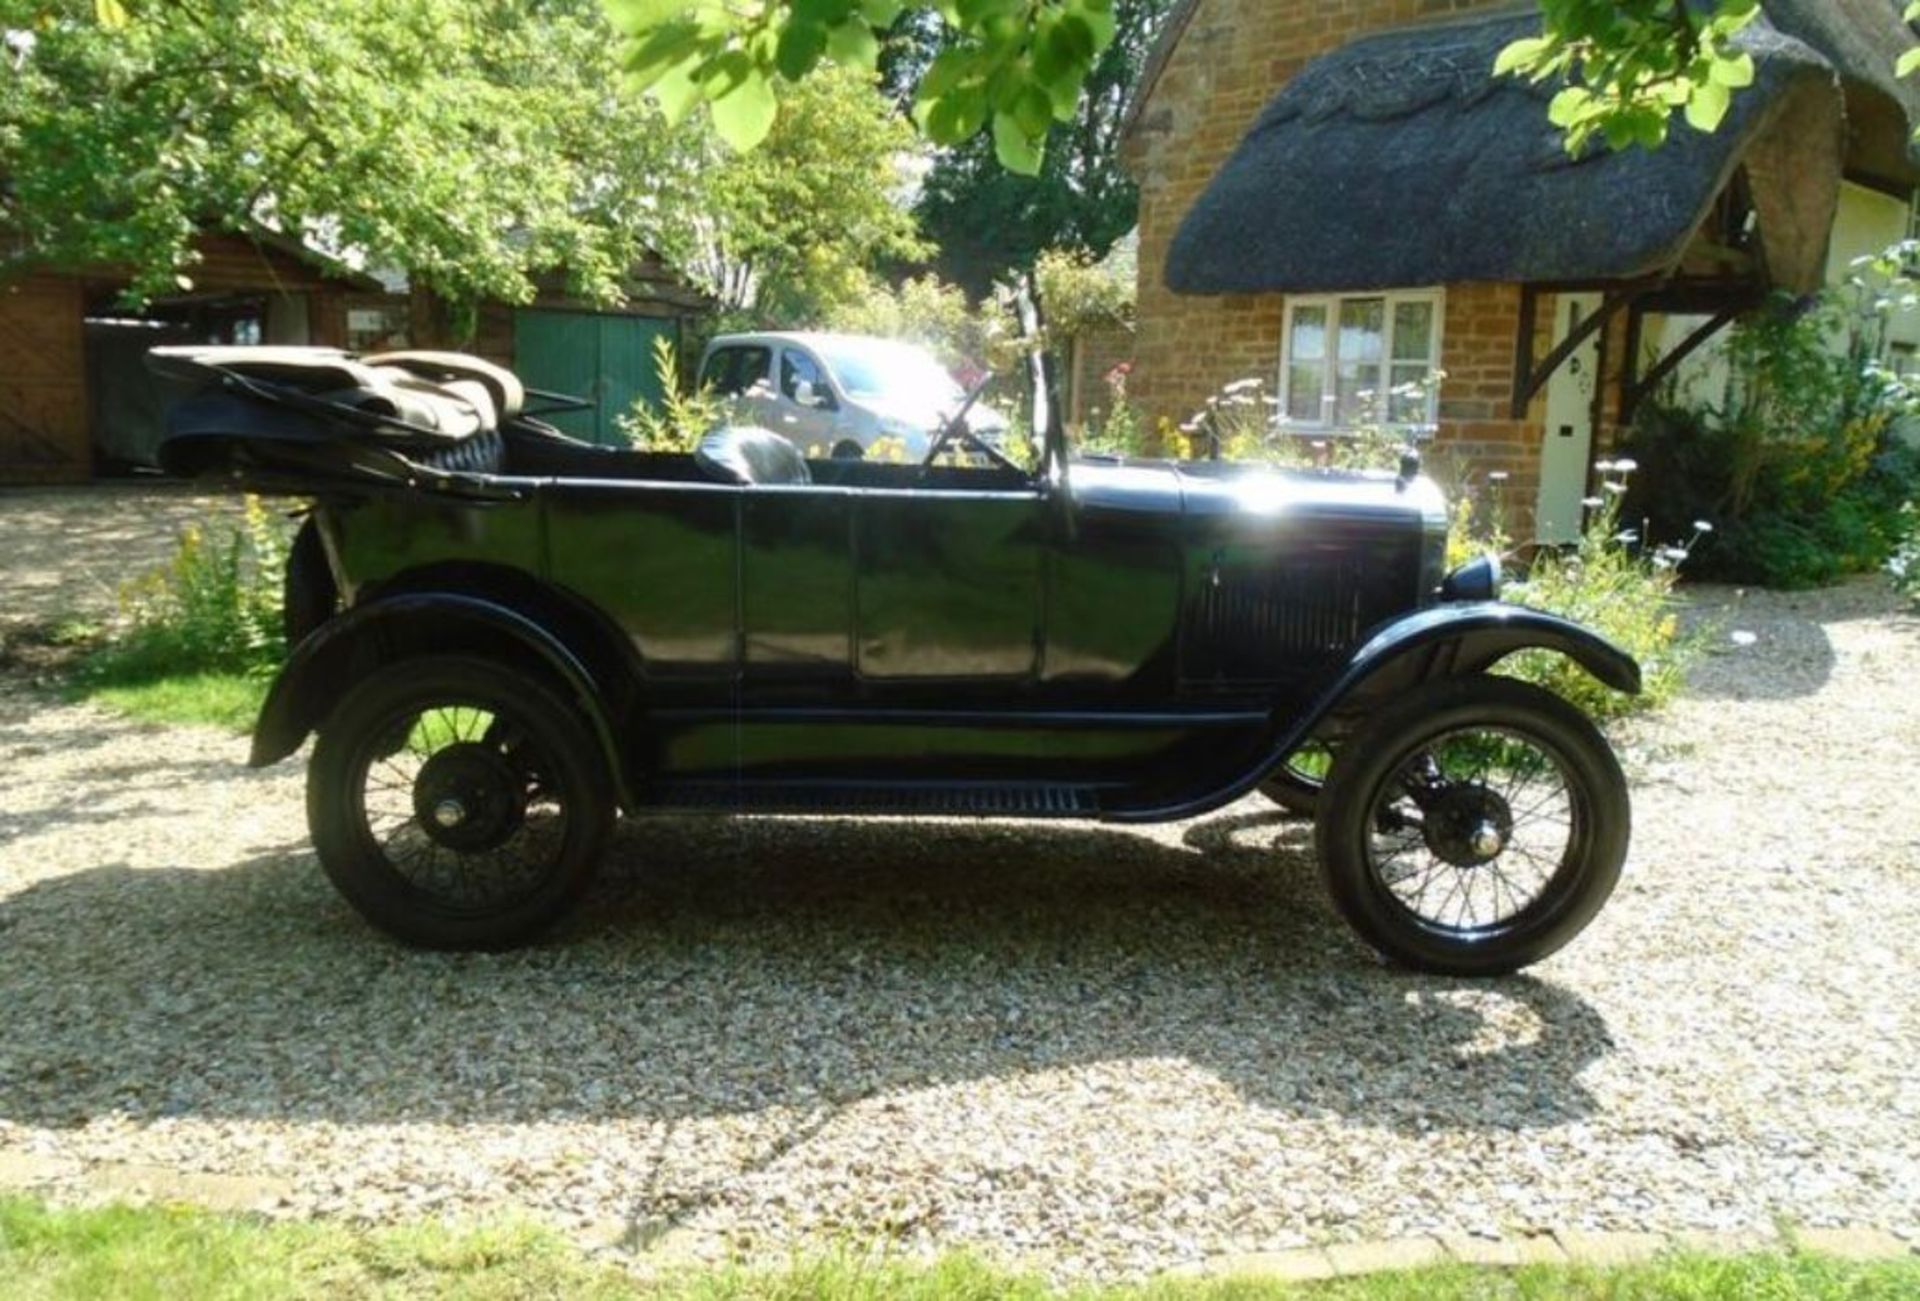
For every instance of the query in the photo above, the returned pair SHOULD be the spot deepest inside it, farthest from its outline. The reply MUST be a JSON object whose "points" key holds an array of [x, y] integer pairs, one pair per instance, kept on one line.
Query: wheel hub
{"points": [[1469, 826], [469, 798]]}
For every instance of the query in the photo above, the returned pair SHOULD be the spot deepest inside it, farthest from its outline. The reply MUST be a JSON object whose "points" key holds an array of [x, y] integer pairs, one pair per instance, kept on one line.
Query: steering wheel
{"points": [[955, 430]]}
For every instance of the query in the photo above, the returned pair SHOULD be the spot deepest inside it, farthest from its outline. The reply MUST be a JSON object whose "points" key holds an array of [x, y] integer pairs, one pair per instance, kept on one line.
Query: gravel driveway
{"points": [[1112, 1051]]}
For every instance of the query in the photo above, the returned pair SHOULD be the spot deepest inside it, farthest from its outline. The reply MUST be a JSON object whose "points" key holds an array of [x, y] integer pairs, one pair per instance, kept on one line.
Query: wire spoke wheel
{"points": [[1474, 829], [457, 809], [1474, 826], [457, 804]]}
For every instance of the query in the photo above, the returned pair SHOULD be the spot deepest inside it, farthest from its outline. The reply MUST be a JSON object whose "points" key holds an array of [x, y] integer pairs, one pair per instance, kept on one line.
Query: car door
{"points": [[949, 586], [808, 410]]}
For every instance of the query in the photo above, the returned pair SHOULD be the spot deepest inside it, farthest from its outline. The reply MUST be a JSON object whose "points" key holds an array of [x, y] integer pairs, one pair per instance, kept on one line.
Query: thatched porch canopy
{"points": [[1400, 160]]}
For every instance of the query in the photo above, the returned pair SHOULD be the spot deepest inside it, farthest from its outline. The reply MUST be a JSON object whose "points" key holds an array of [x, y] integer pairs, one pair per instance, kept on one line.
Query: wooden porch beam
{"points": [[1529, 379], [1637, 390]]}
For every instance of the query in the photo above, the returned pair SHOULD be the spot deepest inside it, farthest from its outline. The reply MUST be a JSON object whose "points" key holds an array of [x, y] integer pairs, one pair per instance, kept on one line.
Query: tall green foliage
{"points": [[989, 223], [472, 144], [792, 232], [1014, 67]]}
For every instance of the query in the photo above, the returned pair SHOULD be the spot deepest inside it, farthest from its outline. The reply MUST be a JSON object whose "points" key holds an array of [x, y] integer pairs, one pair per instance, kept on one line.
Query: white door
{"points": [[1568, 449]]}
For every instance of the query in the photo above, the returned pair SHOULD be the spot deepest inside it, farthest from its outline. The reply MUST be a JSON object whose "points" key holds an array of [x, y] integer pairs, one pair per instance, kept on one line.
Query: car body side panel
{"points": [[949, 586], [797, 586], [662, 560]]}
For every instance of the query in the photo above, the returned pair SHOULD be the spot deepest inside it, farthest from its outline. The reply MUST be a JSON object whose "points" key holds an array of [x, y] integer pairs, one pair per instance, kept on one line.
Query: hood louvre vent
{"points": [[1264, 623]]}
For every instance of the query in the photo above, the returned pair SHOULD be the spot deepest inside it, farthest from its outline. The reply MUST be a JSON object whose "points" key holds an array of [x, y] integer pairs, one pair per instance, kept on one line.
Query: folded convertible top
{"points": [[308, 409]]}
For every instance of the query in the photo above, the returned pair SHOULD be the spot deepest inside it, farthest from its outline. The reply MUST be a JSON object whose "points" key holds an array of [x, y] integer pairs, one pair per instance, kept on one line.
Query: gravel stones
{"points": [[1109, 1051]]}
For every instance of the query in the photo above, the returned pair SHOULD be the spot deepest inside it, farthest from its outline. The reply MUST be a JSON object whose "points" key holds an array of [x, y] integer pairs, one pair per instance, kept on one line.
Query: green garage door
{"points": [[605, 359]]}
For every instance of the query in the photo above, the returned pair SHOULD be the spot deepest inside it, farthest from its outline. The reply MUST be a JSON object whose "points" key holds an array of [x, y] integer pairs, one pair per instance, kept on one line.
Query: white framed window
{"points": [[1350, 359]]}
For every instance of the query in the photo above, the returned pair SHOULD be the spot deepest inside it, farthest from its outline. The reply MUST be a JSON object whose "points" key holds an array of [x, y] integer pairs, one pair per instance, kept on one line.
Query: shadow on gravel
{"points": [[730, 967], [1763, 645]]}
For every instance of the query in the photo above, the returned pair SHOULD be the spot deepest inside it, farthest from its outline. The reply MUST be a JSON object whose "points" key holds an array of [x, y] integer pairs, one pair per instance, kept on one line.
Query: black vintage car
{"points": [[503, 637]]}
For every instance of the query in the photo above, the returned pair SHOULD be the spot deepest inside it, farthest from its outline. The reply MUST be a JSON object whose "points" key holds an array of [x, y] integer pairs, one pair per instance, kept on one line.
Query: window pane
{"points": [[1410, 408], [1309, 334], [1413, 332], [1306, 384], [1361, 346]]}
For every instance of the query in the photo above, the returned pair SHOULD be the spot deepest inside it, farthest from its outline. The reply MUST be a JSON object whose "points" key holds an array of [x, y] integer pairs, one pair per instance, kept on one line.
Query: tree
{"points": [[988, 222], [473, 145], [790, 231], [1015, 66], [1629, 65]]}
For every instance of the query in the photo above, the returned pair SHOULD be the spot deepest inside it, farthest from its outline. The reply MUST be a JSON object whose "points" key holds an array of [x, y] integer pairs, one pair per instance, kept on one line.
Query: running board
{"points": [[879, 799]]}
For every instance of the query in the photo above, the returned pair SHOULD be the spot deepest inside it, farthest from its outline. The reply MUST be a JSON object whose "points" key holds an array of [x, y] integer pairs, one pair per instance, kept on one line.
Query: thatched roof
{"points": [[1400, 160]]}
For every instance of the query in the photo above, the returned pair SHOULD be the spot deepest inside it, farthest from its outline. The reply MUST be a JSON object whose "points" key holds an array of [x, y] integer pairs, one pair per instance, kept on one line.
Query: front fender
{"points": [[1446, 641], [1471, 638], [351, 645]]}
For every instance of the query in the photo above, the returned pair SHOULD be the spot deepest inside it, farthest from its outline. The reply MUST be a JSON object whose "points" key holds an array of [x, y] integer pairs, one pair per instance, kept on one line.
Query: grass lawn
{"points": [[134, 1253], [228, 700]]}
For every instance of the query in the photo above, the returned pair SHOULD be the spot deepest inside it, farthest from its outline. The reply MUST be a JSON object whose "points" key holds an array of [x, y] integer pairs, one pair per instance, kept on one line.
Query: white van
{"points": [[839, 394]]}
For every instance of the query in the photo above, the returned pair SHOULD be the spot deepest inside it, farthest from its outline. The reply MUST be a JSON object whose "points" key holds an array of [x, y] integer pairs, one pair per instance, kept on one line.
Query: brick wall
{"points": [[1234, 56]]}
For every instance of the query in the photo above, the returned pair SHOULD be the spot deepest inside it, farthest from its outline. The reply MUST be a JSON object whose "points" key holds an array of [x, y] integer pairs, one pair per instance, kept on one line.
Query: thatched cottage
{"points": [[1339, 198]]}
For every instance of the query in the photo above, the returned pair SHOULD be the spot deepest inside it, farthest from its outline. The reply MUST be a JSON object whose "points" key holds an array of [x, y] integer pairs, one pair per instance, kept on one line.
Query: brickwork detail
{"points": [[1234, 56]]}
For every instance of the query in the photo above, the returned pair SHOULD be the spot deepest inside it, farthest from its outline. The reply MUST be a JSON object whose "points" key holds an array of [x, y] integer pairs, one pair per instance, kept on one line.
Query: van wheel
{"points": [[848, 450], [1474, 826], [457, 804]]}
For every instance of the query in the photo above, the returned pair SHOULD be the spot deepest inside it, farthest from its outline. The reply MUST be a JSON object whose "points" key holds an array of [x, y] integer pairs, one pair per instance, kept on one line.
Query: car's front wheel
{"points": [[1474, 827], [457, 804]]}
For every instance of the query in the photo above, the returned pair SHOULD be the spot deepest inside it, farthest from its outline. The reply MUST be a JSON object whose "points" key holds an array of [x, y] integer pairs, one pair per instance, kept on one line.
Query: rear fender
{"points": [[349, 646]]}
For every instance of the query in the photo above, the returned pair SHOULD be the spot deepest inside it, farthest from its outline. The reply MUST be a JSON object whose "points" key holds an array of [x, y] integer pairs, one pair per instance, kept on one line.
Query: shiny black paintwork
{"points": [[1133, 641]]}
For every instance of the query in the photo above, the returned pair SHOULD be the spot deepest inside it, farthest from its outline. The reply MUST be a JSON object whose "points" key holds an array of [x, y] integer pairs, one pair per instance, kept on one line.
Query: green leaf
{"points": [[744, 114], [111, 14], [1707, 107], [1569, 105], [1908, 64], [956, 118], [884, 13], [641, 16], [1734, 73], [676, 93], [801, 45], [1521, 55], [852, 45], [1017, 151]]}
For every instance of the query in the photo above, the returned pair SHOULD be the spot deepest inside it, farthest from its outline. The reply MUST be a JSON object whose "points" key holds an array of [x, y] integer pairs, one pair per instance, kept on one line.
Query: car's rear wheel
{"points": [[848, 450], [1474, 827], [457, 804]]}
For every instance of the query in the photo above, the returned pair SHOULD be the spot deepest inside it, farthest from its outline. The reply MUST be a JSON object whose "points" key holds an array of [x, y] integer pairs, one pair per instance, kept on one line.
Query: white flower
{"points": [[1741, 637], [1592, 503], [1603, 467], [1702, 526], [1625, 536], [1242, 386], [1499, 476], [1626, 465], [1615, 488]]}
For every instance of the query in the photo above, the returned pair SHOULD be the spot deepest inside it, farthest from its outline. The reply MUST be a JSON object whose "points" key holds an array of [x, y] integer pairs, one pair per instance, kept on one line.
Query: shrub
{"points": [[1613, 582], [213, 608], [685, 414], [1800, 464], [1904, 564]]}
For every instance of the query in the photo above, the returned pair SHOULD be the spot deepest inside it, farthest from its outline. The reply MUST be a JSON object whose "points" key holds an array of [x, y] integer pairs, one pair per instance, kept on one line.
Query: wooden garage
{"points": [[74, 394]]}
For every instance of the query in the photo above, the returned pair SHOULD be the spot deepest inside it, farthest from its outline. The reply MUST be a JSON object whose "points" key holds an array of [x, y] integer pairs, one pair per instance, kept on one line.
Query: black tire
{"points": [[848, 450], [1413, 744], [309, 596], [513, 749], [1296, 791]]}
